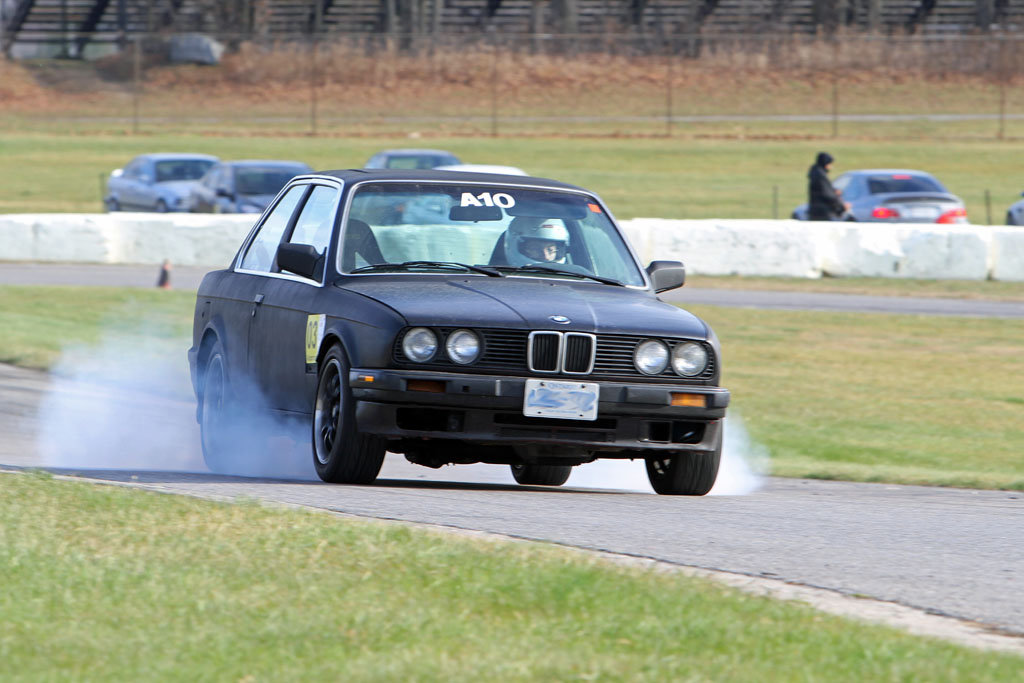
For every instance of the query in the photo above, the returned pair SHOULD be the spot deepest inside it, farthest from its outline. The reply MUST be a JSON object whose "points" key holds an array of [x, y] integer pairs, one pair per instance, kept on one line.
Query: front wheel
{"points": [[161, 206], [341, 455], [529, 474], [684, 474]]}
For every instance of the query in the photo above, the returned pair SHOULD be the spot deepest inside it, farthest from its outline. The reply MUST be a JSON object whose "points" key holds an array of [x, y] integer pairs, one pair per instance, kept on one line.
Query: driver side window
{"points": [[260, 254]]}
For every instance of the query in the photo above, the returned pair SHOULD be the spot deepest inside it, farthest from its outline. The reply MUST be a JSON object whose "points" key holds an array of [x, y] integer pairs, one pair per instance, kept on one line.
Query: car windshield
{"points": [[435, 227], [263, 180], [181, 169], [902, 182]]}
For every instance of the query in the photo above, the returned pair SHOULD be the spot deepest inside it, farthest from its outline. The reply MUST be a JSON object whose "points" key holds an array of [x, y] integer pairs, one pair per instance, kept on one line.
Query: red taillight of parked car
{"points": [[884, 212], [953, 216]]}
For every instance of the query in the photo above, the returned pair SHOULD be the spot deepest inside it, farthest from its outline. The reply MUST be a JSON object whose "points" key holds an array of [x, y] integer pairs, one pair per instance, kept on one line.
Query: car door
{"points": [[277, 340], [241, 292], [130, 187], [203, 192]]}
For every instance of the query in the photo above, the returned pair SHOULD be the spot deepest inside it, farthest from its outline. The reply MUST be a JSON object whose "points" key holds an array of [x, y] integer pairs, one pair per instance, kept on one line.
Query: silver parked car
{"points": [[156, 182], [895, 196], [1015, 214], [242, 186], [410, 159]]}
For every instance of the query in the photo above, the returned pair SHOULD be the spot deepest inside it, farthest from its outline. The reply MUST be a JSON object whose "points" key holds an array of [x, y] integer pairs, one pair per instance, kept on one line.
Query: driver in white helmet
{"points": [[536, 240]]}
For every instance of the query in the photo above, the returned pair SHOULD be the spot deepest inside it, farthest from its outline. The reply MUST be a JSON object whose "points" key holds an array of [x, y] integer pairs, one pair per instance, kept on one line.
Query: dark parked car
{"points": [[242, 186], [411, 159], [516, 327], [1015, 214], [895, 196], [156, 182]]}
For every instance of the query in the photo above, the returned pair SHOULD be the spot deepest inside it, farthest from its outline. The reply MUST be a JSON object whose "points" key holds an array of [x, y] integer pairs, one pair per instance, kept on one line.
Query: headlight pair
{"points": [[420, 345], [688, 359]]}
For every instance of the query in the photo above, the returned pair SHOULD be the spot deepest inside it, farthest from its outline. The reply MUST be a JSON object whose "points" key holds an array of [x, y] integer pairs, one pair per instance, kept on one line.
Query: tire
{"points": [[684, 474], [529, 474], [214, 412], [1009, 218], [161, 206], [112, 205], [341, 455]]}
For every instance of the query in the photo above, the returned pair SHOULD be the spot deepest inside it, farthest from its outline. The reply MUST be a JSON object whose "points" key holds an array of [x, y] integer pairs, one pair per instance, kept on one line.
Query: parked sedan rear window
{"points": [[902, 183]]}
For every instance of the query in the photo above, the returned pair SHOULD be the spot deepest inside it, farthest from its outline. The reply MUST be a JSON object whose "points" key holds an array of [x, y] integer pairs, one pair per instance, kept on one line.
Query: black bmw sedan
{"points": [[455, 318]]}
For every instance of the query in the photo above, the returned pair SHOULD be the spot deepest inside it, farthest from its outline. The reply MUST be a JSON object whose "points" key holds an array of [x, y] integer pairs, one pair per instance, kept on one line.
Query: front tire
{"points": [[684, 474], [341, 455], [161, 206], [529, 474]]}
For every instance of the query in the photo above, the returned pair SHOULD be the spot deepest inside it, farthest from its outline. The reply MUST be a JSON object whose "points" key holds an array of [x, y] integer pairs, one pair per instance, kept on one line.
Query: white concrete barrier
{"points": [[707, 247], [142, 238]]}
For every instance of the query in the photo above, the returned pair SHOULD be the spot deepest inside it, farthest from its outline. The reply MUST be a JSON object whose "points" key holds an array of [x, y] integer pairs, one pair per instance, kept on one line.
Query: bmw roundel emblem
{"points": [[560, 319]]}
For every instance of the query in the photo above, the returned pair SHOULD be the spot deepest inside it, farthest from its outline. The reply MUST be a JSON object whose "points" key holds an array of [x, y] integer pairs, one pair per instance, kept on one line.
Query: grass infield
{"points": [[105, 583], [866, 397]]}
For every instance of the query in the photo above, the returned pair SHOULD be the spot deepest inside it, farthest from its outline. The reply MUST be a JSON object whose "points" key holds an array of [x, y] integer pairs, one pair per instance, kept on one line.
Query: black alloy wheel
{"points": [[684, 474], [341, 454], [214, 420]]}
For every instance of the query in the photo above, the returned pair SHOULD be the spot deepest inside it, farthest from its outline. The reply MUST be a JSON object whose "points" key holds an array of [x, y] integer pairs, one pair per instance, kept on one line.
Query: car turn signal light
{"points": [[689, 400]]}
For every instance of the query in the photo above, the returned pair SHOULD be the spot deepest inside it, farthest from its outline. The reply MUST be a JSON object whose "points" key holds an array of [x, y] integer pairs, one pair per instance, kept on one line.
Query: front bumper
{"points": [[486, 409]]}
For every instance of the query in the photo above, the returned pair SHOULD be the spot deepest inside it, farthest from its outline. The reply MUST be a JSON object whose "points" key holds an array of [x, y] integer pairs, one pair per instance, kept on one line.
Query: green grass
{"points": [[679, 177], [103, 583], [948, 289], [867, 397]]}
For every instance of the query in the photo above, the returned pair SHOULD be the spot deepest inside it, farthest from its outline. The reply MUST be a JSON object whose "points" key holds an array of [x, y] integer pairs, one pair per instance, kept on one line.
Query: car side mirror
{"points": [[666, 275], [301, 259]]}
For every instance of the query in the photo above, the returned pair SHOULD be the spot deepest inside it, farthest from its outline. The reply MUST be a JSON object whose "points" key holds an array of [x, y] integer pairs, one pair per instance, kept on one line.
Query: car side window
{"points": [[316, 222], [261, 252]]}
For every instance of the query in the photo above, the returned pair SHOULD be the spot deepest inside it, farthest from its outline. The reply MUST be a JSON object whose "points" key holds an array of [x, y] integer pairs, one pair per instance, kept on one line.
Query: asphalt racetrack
{"points": [[948, 552]]}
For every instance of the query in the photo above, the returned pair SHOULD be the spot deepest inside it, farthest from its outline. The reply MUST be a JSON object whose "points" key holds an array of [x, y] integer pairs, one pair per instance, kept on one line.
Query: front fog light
{"points": [[419, 344], [463, 346], [689, 359], [651, 357]]}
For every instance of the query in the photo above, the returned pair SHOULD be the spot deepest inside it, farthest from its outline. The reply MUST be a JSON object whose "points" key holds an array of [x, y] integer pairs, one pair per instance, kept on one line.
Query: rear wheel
{"points": [[1010, 220], [161, 206], [214, 419], [529, 474], [113, 205], [341, 454], [684, 474]]}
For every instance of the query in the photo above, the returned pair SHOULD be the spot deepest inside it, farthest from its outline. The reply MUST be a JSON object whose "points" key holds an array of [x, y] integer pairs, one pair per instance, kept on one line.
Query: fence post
{"points": [[136, 84], [988, 207], [494, 88], [835, 87], [312, 86], [668, 90]]}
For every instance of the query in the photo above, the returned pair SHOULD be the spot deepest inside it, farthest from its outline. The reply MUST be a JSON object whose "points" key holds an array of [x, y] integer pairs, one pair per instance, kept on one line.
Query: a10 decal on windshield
{"points": [[499, 199]]}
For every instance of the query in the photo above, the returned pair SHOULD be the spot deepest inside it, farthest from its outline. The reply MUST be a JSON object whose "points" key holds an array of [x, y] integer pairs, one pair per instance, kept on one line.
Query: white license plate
{"points": [[923, 212], [565, 400]]}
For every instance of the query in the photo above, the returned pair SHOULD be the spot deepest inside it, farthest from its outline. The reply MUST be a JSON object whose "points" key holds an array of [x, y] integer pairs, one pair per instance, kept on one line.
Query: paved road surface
{"points": [[189, 278], [954, 552]]}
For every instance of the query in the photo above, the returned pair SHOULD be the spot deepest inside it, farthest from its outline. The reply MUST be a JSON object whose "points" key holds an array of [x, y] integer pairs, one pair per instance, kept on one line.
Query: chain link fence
{"points": [[543, 84]]}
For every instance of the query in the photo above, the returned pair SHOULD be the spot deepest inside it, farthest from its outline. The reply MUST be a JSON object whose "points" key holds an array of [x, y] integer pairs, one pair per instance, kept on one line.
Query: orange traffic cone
{"points": [[164, 282]]}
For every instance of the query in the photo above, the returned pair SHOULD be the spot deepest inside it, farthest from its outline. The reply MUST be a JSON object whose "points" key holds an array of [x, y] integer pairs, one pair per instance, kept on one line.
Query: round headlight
{"points": [[419, 344], [463, 346], [651, 357], [689, 359]]}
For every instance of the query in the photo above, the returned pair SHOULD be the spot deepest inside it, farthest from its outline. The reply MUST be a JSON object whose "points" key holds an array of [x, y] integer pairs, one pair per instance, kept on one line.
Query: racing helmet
{"points": [[536, 240]]}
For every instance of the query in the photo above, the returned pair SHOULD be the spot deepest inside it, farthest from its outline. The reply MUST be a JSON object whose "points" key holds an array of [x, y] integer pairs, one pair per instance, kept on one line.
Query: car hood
{"points": [[527, 303]]}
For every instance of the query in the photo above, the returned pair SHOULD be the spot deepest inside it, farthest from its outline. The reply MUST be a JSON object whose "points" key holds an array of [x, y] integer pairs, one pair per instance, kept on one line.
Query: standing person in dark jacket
{"points": [[823, 202]]}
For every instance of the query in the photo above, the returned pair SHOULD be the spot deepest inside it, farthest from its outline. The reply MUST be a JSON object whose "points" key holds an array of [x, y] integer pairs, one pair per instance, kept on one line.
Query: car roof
{"points": [[265, 162], [177, 156], [887, 171], [482, 168], [354, 175], [413, 150]]}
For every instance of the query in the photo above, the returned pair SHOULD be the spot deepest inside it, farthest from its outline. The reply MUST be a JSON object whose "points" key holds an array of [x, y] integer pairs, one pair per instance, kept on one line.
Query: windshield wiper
{"points": [[537, 268], [444, 265]]}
